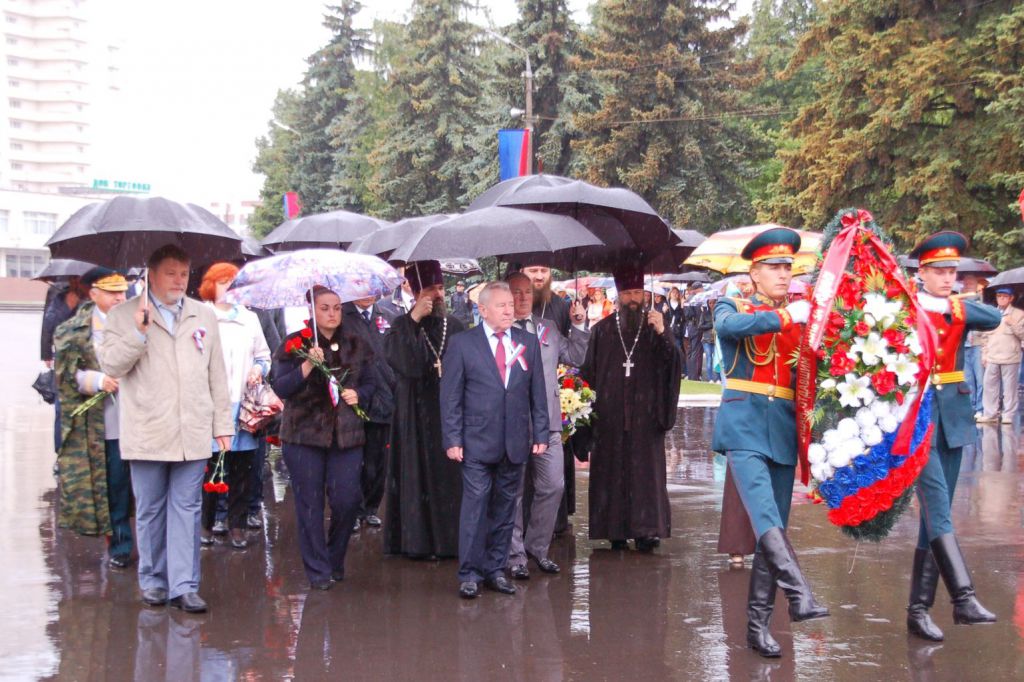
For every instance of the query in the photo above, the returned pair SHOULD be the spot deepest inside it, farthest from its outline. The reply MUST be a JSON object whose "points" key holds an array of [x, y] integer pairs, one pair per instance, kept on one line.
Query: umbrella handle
{"points": [[145, 300], [312, 318]]}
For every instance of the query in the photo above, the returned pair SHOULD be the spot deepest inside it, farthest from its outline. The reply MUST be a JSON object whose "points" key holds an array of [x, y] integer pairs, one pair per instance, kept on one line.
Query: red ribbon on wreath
{"points": [[822, 299]]}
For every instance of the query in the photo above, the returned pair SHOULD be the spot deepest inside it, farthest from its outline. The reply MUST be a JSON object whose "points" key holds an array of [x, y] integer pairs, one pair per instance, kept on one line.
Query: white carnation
{"points": [[839, 457], [831, 439], [847, 428], [855, 446], [821, 472], [889, 423], [871, 436], [880, 408], [816, 453], [865, 418], [827, 384]]}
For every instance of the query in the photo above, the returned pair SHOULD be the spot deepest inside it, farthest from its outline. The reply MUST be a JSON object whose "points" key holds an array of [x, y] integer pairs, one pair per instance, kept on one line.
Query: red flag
{"points": [[1020, 200]]}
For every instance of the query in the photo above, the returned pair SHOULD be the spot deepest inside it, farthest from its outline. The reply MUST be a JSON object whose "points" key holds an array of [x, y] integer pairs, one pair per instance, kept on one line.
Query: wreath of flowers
{"points": [[868, 373], [577, 400]]}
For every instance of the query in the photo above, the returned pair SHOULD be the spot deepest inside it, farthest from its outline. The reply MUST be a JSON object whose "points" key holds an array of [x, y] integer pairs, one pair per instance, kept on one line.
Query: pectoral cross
{"points": [[628, 364], [437, 366]]}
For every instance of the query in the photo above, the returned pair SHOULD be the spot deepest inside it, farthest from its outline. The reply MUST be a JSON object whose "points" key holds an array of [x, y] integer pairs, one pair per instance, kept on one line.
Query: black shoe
{"points": [[322, 585], [373, 521], [220, 528], [120, 560], [337, 576], [923, 582], [500, 584], [469, 590], [785, 569], [620, 545], [647, 545], [253, 521], [967, 610], [520, 572], [238, 540], [154, 596], [190, 602], [760, 603], [205, 538], [547, 566]]}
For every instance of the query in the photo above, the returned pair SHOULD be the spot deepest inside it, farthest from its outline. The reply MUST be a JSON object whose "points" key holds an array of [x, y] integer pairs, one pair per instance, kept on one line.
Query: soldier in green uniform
{"points": [[95, 486], [938, 552], [756, 426]]}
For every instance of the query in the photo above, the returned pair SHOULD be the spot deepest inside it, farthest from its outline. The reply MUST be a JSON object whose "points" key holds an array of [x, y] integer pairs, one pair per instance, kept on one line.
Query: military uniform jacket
{"points": [[952, 411], [757, 342]]}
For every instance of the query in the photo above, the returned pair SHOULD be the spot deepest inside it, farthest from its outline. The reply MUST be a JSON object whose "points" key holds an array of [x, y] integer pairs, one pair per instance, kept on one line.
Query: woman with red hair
{"points": [[247, 360]]}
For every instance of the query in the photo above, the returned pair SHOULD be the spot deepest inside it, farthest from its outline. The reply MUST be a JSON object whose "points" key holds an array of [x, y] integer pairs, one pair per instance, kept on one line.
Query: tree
{"points": [[423, 163], [327, 85], [671, 85], [917, 118], [275, 159]]}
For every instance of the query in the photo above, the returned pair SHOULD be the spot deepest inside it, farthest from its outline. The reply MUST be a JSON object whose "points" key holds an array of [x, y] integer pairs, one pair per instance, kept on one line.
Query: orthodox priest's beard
{"points": [[542, 295], [439, 309], [632, 315]]}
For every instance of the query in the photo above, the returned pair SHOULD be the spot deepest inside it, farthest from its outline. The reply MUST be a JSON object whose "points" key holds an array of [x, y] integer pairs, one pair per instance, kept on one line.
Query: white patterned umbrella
{"points": [[285, 279]]}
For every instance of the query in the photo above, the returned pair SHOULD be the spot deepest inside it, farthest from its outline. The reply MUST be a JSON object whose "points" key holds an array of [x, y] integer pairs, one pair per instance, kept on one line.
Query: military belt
{"points": [[940, 378], [761, 389]]}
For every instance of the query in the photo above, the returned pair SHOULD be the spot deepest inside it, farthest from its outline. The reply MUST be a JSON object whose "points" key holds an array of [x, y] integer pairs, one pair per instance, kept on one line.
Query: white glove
{"points": [[800, 311]]}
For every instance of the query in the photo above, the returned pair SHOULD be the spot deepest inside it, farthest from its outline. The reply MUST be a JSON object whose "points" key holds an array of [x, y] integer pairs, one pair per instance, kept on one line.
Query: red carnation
{"points": [[222, 487], [209, 488], [894, 290], [884, 382], [841, 364], [568, 383], [861, 328], [306, 333]]}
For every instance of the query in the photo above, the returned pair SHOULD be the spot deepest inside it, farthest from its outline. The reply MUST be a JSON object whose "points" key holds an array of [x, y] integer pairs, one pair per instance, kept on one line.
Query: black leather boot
{"points": [[760, 602], [923, 582], [785, 569], [967, 610]]}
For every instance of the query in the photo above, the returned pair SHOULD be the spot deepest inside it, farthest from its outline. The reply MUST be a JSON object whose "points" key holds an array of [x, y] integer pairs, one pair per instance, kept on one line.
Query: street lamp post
{"points": [[528, 118]]}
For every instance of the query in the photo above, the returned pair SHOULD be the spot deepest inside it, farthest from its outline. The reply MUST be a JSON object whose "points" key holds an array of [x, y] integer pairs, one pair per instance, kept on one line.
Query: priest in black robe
{"points": [[634, 366], [424, 487]]}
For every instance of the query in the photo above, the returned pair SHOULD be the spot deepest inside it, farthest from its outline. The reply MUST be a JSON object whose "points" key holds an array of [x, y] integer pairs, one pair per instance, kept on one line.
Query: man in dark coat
{"points": [[423, 486], [694, 323], [370, 322], [461, 306], [546, 305], [634, 367]]}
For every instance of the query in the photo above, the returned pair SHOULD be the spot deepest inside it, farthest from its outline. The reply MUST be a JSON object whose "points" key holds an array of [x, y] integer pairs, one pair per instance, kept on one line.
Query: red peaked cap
{"points": [[423, 274], [629, 277]]}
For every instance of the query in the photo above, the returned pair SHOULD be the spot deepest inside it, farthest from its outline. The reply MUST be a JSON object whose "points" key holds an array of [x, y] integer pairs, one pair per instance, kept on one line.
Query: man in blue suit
{"points": [[495, 414]]}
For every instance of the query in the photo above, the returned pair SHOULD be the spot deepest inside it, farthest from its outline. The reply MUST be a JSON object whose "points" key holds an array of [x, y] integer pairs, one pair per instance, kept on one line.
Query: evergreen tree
{"points": [[667, 127], [329, 80], [275, 159], [423, 163], [917, 118]]}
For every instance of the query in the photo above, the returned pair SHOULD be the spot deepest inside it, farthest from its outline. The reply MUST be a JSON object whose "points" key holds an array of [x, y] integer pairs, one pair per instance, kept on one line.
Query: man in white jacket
{"points": [[1001, 356], [165, 351]]}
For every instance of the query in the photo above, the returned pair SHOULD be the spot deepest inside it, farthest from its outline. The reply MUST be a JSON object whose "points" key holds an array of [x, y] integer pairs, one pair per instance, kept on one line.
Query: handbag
{"points": [[46, 385], [259, 407]]}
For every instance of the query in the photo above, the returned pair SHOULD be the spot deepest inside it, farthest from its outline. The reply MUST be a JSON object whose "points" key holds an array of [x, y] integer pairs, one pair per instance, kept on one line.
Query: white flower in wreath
{"points": [[904, 368], [880, 409], [872, 436], [827, 384], [855, 391], [914, 343], [816, 453], [831, 439], [840, 458], [822, 471], [865, 418], [889, 423], [880, 310], [847, 428], [871, 349]]}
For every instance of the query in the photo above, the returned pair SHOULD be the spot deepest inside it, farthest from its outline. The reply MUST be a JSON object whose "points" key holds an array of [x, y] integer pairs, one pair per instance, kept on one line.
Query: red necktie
{"points": [[499, 355]]}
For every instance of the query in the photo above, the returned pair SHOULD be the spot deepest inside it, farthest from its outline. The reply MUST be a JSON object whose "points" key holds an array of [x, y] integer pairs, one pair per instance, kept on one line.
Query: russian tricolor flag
{"points": [[513, 152], [292, 207]]}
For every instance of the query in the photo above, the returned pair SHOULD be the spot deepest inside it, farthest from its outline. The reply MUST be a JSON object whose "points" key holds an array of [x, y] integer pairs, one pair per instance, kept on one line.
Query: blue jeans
{"points": [[974, 375], [709, 361]]}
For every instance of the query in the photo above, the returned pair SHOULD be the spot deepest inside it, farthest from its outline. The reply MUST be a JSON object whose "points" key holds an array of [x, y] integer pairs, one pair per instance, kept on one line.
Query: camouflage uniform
{"points": [[84, 504]]}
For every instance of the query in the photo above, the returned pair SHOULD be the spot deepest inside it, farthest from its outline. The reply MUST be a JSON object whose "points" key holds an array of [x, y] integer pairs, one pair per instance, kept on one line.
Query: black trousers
{"points": [[694, 358], [238, 475], [375, 462], [317, 473], [487, 517]]}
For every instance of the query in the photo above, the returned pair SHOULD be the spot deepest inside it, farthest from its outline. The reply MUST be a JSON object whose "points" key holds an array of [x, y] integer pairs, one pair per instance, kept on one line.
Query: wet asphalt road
{"points": [[677, 614]]}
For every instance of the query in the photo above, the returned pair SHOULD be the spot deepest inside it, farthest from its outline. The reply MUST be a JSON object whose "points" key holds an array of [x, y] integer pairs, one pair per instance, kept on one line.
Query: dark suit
{"points": [[382, 406], [496, 427]]}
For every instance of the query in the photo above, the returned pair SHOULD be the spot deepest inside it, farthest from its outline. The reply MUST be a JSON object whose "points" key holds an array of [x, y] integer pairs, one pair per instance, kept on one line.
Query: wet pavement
{"points": [[678, 614]]}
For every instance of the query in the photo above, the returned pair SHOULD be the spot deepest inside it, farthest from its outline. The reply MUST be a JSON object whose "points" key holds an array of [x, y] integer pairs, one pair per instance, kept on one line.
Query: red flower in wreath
{"points": [[896, 339], [884, 382], [861, 328], [842, 364]]}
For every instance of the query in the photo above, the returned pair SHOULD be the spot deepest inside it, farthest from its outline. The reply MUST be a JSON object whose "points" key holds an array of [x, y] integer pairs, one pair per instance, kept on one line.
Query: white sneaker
{"points": [[977, 416], [1007, 419]]}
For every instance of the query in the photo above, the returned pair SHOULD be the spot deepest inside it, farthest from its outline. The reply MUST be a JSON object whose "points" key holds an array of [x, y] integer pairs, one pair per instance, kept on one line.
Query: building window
{"points": [[16, 166], [12, 41], [11, 61], [15, 124], [15, 103], [24, 264], [3, 220], [13, 83], [40, 223], [81, 149], [17, 146]]}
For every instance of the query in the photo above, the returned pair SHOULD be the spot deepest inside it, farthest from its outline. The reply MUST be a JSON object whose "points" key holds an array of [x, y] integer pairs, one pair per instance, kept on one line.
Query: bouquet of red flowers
{"points": [[299, 346], [863, 404], [577, 400], [216, 483]]}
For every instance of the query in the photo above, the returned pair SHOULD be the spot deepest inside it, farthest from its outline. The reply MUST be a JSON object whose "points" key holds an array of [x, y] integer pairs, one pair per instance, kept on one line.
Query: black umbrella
{"points": [[124, 231], [334, 230], [61, 269], [700, 277], [968, 266], [1012, 280], [671, 259], [252, 249], [387, 239], [463, 267], [629, 229], [495, 231]]}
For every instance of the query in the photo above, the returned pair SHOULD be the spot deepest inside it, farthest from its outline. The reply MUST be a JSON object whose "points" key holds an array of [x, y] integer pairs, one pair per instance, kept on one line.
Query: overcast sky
{"points": [[197, 81]]}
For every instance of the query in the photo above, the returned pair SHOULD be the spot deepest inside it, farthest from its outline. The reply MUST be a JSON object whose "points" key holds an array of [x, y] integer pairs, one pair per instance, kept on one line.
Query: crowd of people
{"points": [[439, 419]]}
